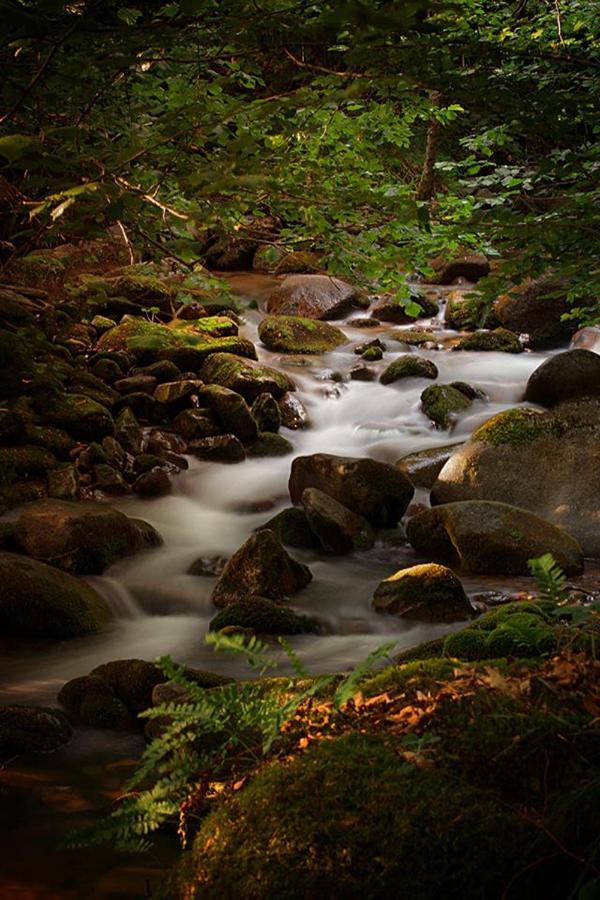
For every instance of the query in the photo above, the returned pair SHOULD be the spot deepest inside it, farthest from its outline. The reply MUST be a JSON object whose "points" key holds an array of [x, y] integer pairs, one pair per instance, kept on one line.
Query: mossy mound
{"points": [[512, 630], [442, 403], [263, 616], [188, 347], [349, 819], [518, 427], [409, 366], [425, 593], [38, 600], [293, 334], [500, 340]]}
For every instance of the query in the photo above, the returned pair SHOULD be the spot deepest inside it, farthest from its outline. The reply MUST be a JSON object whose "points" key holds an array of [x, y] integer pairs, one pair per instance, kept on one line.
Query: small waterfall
{"points": [[119, 598]]}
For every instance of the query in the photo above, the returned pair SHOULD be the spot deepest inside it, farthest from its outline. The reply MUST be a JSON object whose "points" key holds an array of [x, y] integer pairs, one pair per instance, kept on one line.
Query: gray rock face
{"points": [[374, 490], [489, 537], [566, 376], [261, 567], [338, 529], [313, 297], [548, 463]]}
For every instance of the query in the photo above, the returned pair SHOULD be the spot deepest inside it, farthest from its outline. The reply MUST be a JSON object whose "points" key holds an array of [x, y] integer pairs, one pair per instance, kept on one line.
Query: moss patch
{"points": [[294, 334], [518, 427]]}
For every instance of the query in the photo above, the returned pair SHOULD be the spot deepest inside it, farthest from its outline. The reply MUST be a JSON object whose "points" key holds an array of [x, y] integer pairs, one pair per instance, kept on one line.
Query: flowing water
{"points": [[213, 509]]}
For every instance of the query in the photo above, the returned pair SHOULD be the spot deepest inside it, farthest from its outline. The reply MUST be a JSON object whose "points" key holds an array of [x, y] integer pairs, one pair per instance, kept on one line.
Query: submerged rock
{"points": [[425, 593], [442, 403], [37, 600], [293, 334], [372, 489], [491, 538], [83, 538], [313, 297], [261, 567], [338, 529], [268, 444], [409, 366], [32, 729]]}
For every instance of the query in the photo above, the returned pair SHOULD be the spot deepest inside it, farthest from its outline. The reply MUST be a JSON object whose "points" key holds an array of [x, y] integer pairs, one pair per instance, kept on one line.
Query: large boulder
{"points": [[313, 297], [261, 567], [81, 538], [375, 490], [566, 376], [426, 593], [293, 334], [32, 729], [245, 377], [536, 308], [37, 600], [546, 462], [491, 538], [338, 529]]}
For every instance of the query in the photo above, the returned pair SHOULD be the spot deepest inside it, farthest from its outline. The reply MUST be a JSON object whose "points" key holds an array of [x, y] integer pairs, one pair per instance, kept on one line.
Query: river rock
{"points": [[298, 261], [195, 424], [408, 365], [133, 384], [293, 334], [442, 403], [566, 376], [64, 483], [231, 411], [338, 529], [468, 311], [230, 254], [37, 600], [32, 729], [387, 309], [225, 448], [425, 593], [245, 377], [587, 338], [155, 483], [128, 431], [377, 491], [500, 340], [262, 616], [470, 266], [547, 462], [491, 538], [292, 527], [536, 308], [208, 566], [83, 538], [266, 413], [293, 413], [113, 694], [313, 297], [173, 392], [424, 466], [261, 567], [267, 444], [80, 416]]}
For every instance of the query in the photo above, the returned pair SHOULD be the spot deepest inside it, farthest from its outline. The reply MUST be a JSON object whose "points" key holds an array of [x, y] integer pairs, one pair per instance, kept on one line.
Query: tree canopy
{"points": [[379, 132]]}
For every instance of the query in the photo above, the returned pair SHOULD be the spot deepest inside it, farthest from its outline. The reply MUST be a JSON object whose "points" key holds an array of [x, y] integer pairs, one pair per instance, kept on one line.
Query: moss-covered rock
{"points": [[267, 414], [470, 266], [41, 601], [82, 538], [372, 354], [409, 366], [55, 440], [172, 393], [32, 729], [466, 311], [79, 415], [245, 377], [349, 819], [17, 463], [469, 644], [261, 567], [442, 403], [194, 424], [224, 448], [292, 527], [299, 262], [424, 593], [491, 537], [500, 339], [91, 701], [188, 347], [518, 427], [293, 334], [268, 444], [230, 410], [263, 616], [387, 308], [338, 529], [565, 376], [371, 489], [536, 308]]}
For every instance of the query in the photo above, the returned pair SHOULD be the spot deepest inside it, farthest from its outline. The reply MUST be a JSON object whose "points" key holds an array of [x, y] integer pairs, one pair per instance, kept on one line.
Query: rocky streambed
{"points": [[274, 453]]}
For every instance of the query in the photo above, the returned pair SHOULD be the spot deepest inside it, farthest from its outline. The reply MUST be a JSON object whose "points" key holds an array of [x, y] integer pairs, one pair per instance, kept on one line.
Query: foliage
{"points": [[193, 115], [550, 578], [208, 736]]}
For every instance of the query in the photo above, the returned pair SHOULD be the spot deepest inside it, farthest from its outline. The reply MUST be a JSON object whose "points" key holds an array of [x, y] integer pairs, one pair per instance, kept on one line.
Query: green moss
{"points": [[294, 334], [245, 377], [424, 673], [409, 366], [465, 312], [414, 337], [441, 403], [268, 444], [500, 340], [55, 440], [518, 427], [264, 617], [349, 819], [215, 326], [79, 415], [299, 261], [469, 644], [17, 463]]}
